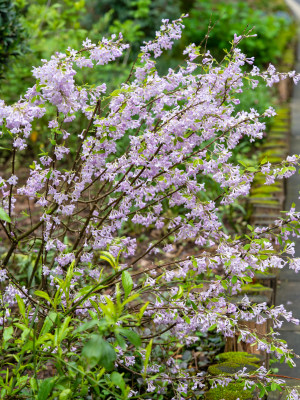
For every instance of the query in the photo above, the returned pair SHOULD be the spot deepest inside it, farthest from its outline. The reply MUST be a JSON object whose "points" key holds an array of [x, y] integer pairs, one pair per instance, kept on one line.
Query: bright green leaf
{"points": [[4, 216], [99, 351], [127, 283]]}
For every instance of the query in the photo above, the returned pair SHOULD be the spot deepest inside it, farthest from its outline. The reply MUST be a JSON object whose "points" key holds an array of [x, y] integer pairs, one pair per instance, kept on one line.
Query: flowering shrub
{"points": [[104, 327]]}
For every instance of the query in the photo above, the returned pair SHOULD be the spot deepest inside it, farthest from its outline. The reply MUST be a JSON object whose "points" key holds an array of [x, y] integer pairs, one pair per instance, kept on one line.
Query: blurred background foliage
{"points": [[32, 30], [35, 29], [12, 34]]}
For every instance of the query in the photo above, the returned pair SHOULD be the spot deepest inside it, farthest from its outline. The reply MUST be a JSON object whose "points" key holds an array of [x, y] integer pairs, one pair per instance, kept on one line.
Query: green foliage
{"points": [[232, 391], [12, 34], [4, 216], [49, 26], [92, 359], [99, 351], [273, 29], [144, 14]]}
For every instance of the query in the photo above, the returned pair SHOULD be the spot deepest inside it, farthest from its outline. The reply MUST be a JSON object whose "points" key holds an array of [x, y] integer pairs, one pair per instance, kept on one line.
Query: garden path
{"points": [[288, 292]]}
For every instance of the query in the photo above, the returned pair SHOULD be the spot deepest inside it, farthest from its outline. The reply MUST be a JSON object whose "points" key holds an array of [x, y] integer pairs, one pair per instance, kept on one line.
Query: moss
{"points": [[274, 143], [265, 275], [279, 123], [266, 190], [232, 391], [261, 179], [238, 357], [283, 112], [256, 287], [273, 153], [275, 160], [277, 133], [261, 201], [253, 298], [289, 57], [229, 368], [262, 196]]}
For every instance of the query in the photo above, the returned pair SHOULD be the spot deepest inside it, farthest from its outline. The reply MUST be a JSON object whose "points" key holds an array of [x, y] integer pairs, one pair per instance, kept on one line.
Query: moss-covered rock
{"points": [[265, 190], [277, 133], [255, 288], [265, 201], [278, 152], [274, 144], [239, 357], [261, 178], [231, 363], [266, 275], [262, 196], [253, 298], [230, 368], [232, 391]]}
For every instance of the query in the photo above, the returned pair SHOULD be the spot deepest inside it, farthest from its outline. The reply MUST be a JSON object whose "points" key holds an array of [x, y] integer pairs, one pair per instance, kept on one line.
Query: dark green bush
{"points": [[12, 34]]}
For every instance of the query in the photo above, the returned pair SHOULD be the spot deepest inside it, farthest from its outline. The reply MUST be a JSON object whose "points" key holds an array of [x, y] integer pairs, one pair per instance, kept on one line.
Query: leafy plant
{"points": [[88, 312]]}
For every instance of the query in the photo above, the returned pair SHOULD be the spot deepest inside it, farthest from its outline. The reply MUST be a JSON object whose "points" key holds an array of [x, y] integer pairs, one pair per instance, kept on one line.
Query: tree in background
{"points": [[12, 34]]}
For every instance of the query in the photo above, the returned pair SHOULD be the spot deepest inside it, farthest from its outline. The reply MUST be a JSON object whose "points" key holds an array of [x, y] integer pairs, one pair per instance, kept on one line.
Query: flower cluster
{"points": [[181, 130]]}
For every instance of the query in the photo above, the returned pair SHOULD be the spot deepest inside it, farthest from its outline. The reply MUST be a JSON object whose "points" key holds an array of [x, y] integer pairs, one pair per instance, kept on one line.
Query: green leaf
{"points": [[273, 386], [121, 341], [262, 393], [45, 388], [42, 294], [251, 169], [213, 327], [224, 284], [4, 216], [132, 336], [180, 292], [21, 306], [85, 326], [147, 357], [65, 394], [131, 298], [8, 333], [127, 283], [117, 379], [99, 351], [264, 161], [106, 256], [142, 310]]}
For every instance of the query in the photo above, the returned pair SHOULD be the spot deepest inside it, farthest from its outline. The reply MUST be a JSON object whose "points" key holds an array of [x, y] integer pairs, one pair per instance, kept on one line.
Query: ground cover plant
{"points": [[83, 320]]}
